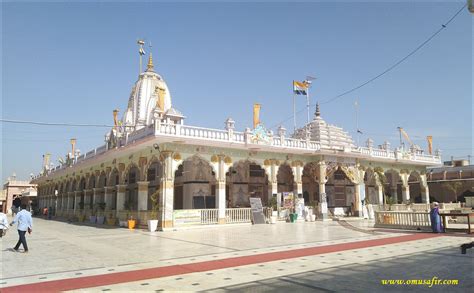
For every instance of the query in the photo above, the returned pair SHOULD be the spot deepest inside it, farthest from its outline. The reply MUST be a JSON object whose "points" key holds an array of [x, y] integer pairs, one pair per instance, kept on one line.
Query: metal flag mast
{"points": [[308, 81], [141, 52], [294, 106]]}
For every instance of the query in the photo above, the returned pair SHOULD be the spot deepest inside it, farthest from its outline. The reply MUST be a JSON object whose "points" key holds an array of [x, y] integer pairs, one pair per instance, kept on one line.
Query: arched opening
{"points": [[340, 190], [131, 195], [285, 179], [82, 187], [414, 183], [194, 185], [153, 176], [113, 181], [90, 186], [393, 186], [243, 180]]}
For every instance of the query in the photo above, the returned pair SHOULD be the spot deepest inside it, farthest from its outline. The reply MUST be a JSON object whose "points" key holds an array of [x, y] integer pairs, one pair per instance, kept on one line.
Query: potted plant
{"points": [[131, 223], [100, 216], [153, 222], [111, 220]]}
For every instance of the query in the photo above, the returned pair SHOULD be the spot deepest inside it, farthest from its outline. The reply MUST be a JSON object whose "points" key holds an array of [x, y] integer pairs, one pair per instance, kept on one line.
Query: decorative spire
{"points": [[149, 66], [317, 113]]}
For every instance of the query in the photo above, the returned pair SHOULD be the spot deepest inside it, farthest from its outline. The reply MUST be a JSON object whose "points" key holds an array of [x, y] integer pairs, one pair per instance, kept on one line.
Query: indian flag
{"points": [[300, 88]]}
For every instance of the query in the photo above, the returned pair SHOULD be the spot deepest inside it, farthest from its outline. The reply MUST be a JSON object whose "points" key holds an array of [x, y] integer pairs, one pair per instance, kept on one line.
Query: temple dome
{"points": [[326, 134], [144, 97]]}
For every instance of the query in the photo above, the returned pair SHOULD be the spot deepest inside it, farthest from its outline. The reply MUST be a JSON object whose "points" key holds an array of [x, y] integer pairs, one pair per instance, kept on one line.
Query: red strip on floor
{"points": [[159, 272]]}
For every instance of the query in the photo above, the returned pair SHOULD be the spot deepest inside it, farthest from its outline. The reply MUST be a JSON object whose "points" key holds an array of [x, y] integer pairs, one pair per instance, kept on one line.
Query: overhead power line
{"points": [[432, 36], [54, 123]]}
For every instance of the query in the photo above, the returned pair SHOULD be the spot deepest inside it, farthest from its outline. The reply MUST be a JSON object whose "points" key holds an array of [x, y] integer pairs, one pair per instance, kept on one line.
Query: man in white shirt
{"points": [[25, 223], [3, 224]]}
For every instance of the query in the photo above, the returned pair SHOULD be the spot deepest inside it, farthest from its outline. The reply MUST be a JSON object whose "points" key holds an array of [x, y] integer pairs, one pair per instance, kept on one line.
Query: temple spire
{"points": [[149, 66], [317, 113]]}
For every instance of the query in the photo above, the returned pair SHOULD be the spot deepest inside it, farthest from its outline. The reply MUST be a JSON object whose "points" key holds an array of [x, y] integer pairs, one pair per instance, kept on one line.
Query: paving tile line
{"points": [[164, 283], [159, 272], [59, 275]]}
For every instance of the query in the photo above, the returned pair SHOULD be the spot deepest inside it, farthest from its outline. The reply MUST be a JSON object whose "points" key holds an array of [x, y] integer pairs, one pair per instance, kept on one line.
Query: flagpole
{"points": [[357, 122], [307, 103], [294, 106]]}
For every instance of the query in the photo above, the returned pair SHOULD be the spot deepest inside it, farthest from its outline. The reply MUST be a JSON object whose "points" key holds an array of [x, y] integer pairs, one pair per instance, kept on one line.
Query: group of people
{"points": [[25, 224]]}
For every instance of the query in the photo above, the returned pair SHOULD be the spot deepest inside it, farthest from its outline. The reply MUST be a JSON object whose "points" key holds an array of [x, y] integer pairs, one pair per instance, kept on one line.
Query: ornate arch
{"points": [[126, 172]]}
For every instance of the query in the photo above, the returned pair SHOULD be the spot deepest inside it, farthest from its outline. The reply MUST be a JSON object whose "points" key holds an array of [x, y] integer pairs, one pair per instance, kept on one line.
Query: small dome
{"points": [[174, 113]]}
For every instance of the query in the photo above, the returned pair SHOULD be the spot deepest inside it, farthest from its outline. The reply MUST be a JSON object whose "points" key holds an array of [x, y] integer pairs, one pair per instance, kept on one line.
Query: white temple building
{"points": [[151, 151]]}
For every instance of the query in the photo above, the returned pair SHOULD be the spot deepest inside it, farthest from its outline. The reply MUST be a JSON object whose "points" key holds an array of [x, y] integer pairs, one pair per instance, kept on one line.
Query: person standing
{"points": [[3, 224], [25, 224], [435, 219]]}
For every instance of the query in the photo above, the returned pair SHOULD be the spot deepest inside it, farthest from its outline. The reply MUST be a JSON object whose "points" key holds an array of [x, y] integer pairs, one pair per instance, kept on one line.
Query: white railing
{"points": [[209, 216], [238, 215], [242, 137], [200, 132], [403, 220]]}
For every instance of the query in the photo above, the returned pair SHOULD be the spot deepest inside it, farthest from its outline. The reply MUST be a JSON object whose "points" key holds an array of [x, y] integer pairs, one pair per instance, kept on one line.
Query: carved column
{"points": [[167, 191], [405, 187], [121, 189], [322, 191], [425, 192], [273, 181], [220, 189], [297, 175], [143, 195], [359, 192], [88, 198], [77, 200], [109, 200]]}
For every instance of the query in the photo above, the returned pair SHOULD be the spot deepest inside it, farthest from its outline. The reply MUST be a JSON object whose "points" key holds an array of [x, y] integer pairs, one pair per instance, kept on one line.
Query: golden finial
{"points": [[149, 66]]}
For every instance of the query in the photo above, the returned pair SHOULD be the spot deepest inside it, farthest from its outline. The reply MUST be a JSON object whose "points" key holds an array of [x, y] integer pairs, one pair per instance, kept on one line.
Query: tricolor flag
{"points": [[300, 88]]}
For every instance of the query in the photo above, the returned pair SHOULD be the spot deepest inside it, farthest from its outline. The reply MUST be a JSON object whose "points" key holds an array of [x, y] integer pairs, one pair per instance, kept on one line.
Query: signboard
{"points": [[288, 200], [257, 210], [186, 217]]}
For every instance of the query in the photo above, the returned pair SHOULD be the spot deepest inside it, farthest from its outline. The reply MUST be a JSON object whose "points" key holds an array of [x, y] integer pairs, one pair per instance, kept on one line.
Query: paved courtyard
{"points": [[317, 256]]}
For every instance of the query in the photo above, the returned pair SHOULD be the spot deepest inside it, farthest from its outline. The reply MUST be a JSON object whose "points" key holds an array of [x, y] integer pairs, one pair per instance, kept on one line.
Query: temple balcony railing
{"points": [[246, 138]]}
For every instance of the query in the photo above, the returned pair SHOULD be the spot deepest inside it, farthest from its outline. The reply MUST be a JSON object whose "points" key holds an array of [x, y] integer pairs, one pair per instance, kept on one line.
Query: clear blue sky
{"points": [[77, 62]]}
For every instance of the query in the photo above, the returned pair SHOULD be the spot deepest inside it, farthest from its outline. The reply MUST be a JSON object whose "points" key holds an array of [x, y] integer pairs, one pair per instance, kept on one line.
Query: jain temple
{"points": [[152, 158]]}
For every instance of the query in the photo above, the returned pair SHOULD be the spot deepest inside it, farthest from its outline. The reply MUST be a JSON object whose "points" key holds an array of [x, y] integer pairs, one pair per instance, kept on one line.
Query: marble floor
{"points": [[311, 256]]}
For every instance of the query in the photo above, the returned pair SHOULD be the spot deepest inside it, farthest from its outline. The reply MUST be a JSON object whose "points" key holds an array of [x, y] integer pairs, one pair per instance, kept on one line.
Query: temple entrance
{"points": [[243, 180]]}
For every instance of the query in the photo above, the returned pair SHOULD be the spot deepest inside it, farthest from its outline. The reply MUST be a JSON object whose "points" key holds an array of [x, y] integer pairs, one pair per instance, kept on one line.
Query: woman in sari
{"points": [[435, 219]]}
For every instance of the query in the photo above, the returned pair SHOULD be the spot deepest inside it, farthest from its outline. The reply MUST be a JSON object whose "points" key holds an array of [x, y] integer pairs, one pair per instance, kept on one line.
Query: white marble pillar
{"points": [[108, 195], [322, 192], [143, 195], [425, 192], [220, 189], [379, 189], [121, 189], [167, 191], [359, 197]]}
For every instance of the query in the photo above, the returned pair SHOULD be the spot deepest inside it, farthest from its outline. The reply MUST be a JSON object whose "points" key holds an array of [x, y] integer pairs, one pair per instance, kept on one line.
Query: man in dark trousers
{"points": [[25, 224]]}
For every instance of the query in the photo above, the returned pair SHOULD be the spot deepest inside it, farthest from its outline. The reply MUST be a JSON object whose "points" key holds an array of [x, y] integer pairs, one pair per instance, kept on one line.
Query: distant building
{"points": [[16, 188], [451, 182]]}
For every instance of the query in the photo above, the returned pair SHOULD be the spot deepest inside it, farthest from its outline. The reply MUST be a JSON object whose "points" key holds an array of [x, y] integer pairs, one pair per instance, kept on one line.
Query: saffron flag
{"points": [[300, 88], [430, 144], [256, 115]]}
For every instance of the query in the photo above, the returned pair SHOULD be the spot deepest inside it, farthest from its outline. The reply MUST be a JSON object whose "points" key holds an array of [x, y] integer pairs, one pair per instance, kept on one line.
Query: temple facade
{"points": [[151, 151]]}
